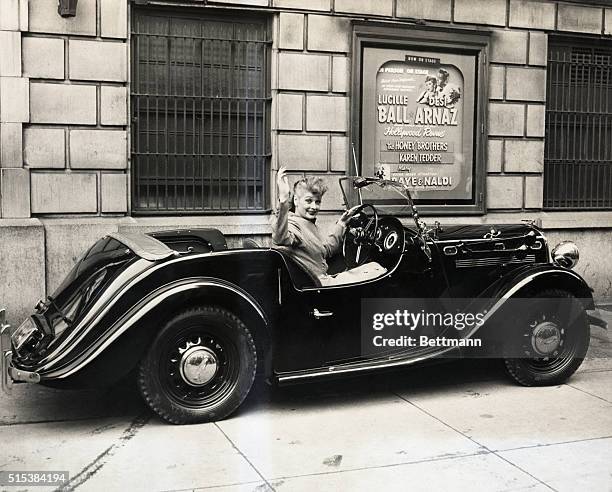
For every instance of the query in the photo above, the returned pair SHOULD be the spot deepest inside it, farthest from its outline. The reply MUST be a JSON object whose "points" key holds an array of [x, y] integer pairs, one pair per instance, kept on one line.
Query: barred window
{"points": [[200, 106], [578, 150]]}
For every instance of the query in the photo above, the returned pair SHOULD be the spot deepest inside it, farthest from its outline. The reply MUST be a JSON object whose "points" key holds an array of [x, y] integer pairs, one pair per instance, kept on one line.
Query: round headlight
{"points": [[565, 254]]}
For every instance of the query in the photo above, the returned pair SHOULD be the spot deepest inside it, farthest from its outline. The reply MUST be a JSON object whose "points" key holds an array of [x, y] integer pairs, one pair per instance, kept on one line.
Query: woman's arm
{"points": [[333, 241], [281, 234]]}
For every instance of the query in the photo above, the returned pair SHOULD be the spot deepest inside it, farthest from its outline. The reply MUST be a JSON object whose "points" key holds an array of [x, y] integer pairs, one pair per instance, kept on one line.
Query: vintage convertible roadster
{"points": [[196, 322]]}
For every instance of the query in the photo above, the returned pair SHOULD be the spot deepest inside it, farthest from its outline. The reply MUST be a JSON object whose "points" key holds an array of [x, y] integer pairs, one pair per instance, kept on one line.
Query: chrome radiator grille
{"points": [[492, 261]]}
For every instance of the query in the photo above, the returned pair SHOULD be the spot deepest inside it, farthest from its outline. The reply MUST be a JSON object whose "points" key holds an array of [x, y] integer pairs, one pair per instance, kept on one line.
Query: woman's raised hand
{"points": [[282, 182]]}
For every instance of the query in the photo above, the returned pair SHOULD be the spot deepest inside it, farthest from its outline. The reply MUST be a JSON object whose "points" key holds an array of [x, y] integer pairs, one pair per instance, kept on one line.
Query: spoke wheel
{"points": [[554, 339], [200, 366]]}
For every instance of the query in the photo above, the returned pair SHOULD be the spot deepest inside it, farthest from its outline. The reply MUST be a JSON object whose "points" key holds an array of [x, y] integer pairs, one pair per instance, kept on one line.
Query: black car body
{"points": [[197, 321]]}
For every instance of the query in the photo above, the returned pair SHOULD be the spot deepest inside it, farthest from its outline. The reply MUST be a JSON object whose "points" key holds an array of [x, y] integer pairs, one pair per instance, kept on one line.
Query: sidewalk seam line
{"points": [[390, 465], [244, 456], [250, 482], [553, 444], [475, 441], [588, 393]]}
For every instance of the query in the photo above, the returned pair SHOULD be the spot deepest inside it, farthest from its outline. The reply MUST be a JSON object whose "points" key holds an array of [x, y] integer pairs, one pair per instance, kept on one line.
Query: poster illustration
{"points": [[417, 119], [419, 124]]}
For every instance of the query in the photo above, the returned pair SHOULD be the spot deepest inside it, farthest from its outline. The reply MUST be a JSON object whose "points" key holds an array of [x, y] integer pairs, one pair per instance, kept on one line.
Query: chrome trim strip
{"points": [[93, 352], [480, 262], [481, 240], [332, 370]]}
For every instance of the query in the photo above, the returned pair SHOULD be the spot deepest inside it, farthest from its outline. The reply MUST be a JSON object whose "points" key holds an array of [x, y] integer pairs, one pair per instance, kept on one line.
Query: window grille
{"points": [[200, 106], [578, 150]]}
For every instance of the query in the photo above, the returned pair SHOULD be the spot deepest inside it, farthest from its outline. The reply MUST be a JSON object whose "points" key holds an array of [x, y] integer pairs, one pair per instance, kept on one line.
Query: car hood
{"points": [[482, 231]]}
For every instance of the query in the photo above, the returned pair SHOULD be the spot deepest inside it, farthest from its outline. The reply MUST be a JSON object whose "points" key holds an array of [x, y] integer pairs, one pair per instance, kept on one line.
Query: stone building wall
{"points": [[70, 112], [64, 120]]}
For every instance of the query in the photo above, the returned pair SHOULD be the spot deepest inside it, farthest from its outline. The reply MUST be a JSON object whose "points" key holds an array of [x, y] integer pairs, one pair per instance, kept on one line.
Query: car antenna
{"points": [[356, 170]]}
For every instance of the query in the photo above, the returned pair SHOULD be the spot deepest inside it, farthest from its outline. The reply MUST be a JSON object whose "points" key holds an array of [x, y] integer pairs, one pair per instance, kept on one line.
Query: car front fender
{"points": [[524, 282], [534, 278]]}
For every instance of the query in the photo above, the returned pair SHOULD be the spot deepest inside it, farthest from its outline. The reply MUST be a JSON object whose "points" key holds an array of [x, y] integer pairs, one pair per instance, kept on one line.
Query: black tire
{"points": [[210, 333], [574, 334]]}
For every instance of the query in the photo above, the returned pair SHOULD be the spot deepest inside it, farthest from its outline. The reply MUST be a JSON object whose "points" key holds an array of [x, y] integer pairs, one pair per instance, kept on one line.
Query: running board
{"points": [[295, 377]]}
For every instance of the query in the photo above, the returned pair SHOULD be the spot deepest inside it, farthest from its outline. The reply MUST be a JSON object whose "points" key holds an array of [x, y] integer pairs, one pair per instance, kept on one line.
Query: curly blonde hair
{"points": [[313, 184], [316, 186]]}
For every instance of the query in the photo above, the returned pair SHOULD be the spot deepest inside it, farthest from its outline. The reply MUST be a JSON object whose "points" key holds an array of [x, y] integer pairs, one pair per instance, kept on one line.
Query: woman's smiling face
{"points": [[307, 204]]}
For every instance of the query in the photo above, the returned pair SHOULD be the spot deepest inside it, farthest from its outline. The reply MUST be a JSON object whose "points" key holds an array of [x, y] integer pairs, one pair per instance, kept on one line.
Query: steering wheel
{"points": [[360, 236]]}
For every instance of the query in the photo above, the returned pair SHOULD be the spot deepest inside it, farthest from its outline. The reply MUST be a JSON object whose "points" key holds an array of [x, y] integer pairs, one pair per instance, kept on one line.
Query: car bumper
{"points": [[597, 319], [8, 373]]}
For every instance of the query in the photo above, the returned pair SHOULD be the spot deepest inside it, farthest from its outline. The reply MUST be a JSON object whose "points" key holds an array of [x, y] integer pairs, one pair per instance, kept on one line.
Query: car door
{"points": [[333, 315]]}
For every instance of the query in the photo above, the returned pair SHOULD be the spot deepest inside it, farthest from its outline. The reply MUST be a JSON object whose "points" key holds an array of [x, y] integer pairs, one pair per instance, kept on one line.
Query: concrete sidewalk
{"points": [[455, 426]]}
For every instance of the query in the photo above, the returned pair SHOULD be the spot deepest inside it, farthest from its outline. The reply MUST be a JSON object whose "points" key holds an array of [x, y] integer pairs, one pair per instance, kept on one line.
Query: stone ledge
{"points": [[259, 224], [20, 223]]}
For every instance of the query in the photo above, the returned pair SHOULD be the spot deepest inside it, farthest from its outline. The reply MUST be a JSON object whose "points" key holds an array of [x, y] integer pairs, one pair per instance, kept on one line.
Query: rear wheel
{"points": [[553, 337], [200, 366]]}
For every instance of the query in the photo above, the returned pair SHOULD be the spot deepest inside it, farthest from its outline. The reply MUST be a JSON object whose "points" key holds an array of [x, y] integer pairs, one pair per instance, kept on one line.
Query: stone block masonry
{"points": [[59, 193], [10, 54], [303, 72], [43, 58], [114, 193], [526, 84], [327, 33], [80, 69], [532, 14], [62, 104], [504, 192], [113, 19], [15, 192], [89, 60], [43, 17], [98, 149], [14, 100], [303, 152], [291, 35], [578, 18], [44, 148], [326, 113], [506, 119], [11, 145], [432, 10], [365, 7], [491, 12], [524, 156]]}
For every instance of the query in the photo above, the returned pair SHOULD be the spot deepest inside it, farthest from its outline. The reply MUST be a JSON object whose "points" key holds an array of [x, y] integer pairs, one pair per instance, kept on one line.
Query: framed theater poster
{"points": [[419, 111]]}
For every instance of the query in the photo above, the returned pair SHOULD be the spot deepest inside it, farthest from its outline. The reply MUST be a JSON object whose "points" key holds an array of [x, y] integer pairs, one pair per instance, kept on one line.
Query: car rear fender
{"points": [[137, 328]]}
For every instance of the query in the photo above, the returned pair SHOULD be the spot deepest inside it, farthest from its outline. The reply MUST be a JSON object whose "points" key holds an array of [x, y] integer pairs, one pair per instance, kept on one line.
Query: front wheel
{"points": [[200, 366], [553, 338]]}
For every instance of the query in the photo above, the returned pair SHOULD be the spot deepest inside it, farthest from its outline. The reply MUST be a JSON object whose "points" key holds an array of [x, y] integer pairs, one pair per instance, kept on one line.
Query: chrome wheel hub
{"points": [[546, 338], [198, 365]]}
